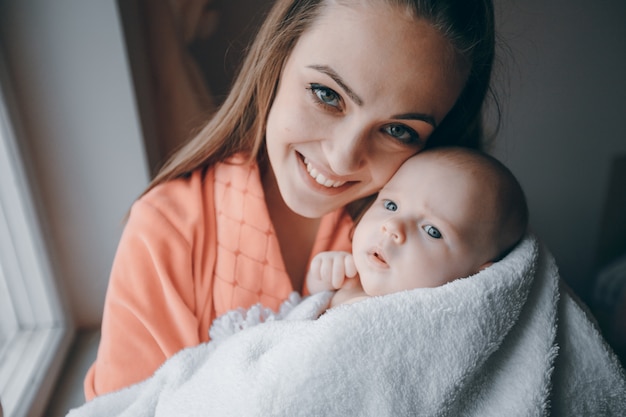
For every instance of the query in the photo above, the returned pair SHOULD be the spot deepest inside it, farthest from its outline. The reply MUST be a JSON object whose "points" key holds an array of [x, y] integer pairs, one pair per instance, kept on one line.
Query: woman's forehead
{"points": [[384, 56]]}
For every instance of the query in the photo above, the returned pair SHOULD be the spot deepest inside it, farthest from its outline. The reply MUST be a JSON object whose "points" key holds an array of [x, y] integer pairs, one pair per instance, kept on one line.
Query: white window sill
{"points": [[68, 392], [31, 363]]}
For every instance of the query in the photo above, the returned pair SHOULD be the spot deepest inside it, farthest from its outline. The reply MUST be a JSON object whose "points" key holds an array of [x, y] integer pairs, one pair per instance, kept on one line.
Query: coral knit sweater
{"points": [[192, 249]]}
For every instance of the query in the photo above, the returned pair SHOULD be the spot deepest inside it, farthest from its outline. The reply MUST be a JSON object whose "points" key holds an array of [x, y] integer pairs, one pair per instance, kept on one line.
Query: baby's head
{"points": [[447, 213]]}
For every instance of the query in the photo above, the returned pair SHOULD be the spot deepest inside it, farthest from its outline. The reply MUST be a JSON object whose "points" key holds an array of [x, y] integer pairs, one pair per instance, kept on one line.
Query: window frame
{"points": [[38, 327]]}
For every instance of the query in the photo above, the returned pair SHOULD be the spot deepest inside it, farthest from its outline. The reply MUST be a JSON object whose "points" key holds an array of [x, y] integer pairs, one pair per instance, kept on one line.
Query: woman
{"points": [[332, 98]]}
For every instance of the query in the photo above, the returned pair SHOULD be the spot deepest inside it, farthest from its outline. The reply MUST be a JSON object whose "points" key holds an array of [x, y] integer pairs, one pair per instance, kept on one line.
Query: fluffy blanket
{"points": [[508, 341]]}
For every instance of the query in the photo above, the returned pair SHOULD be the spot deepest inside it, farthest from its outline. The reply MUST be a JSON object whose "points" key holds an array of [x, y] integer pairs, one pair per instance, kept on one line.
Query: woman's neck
{"points": [[296, 234]]}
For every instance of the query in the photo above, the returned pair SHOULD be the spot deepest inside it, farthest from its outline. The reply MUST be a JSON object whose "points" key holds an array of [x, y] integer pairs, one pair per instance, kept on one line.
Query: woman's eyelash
{"points": [[403, 134], [324, 96]]}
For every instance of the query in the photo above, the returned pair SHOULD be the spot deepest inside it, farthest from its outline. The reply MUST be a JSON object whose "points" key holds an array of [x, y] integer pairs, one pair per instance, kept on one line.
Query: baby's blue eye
{"points": [[390, 205], [432, 231]]}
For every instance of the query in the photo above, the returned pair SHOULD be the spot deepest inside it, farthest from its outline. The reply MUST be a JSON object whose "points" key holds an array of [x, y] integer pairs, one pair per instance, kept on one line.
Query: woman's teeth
{"points": [[321, 179]]}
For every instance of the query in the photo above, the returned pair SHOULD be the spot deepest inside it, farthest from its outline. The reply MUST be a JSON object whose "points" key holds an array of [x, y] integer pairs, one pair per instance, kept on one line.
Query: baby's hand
{"points": [[329, 270]]}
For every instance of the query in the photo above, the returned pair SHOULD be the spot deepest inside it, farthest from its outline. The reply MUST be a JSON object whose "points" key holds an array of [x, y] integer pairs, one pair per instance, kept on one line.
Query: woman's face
{"points": [[361, 92]]}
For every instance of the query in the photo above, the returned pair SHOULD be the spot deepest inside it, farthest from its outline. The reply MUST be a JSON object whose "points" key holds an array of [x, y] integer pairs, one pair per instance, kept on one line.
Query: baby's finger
{"points": [[349, 266], [326, 270], [314, 269], [338, 274]]}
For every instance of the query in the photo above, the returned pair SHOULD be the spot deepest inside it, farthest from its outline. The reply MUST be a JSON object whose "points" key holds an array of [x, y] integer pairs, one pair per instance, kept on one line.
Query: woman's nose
{"points": [[347, 151], [395, 230]]}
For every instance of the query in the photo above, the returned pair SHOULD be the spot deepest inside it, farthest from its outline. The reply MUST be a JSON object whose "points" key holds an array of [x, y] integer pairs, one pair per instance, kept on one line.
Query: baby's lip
{"points": [[377, 256]]}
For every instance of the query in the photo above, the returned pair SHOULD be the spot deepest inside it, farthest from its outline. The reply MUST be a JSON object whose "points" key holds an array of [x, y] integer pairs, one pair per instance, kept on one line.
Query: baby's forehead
{"points": [[443, 180], [433, 165], [470, 164]]}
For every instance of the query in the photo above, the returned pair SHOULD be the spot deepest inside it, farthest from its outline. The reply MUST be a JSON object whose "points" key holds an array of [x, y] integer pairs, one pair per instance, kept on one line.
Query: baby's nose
{"points": [[395, 230]]}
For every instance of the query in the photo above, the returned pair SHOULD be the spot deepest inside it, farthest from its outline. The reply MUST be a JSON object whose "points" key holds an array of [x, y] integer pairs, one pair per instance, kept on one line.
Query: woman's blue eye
{"points": [[325, 95], [402, 133], [390, 205], [432, 231]]}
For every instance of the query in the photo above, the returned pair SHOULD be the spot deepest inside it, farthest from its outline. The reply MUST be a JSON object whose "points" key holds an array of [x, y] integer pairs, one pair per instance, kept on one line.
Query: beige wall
{"points": [[564, 118]]}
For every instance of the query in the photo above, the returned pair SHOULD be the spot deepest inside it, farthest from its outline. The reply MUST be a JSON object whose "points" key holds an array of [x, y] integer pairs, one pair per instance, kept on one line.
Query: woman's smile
{"points": [[319, 177]]}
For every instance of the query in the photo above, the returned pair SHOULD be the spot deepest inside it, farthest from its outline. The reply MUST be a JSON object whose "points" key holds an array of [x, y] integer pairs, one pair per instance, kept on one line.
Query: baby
{"points": [[446, 214]]}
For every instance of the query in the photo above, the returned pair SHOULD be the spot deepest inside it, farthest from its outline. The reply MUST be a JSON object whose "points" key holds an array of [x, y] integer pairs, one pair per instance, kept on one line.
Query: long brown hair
{"points": [[239, 124]]}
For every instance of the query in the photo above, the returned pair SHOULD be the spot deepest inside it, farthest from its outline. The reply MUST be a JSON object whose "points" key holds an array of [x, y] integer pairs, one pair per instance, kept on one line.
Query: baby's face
{"points": [[432, 223]]}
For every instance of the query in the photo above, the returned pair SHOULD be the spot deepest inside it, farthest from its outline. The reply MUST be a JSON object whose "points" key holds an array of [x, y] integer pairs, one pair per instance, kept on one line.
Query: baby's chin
{"points": [[373, 286]]}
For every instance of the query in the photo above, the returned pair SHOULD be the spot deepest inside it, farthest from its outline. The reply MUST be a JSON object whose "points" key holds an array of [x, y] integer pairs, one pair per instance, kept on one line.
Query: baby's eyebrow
{"points": [[337, 78]]}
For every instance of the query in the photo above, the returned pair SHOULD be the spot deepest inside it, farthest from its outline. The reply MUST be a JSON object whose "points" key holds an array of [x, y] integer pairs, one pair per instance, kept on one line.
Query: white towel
{"points": [[508, 341]]}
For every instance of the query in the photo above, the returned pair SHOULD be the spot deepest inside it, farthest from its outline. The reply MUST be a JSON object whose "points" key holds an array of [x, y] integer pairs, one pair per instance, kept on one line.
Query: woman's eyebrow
{"points": [[417, 116], [333, 74]]}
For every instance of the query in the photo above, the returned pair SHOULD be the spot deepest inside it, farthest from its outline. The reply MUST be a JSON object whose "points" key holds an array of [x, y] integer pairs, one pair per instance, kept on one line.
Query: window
{"points": [[35, 332]]}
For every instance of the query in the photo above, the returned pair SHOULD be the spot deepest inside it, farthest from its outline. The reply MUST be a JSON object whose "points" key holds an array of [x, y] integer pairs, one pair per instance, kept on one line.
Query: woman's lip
{"points": [[319, 177], [320, 181]]}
